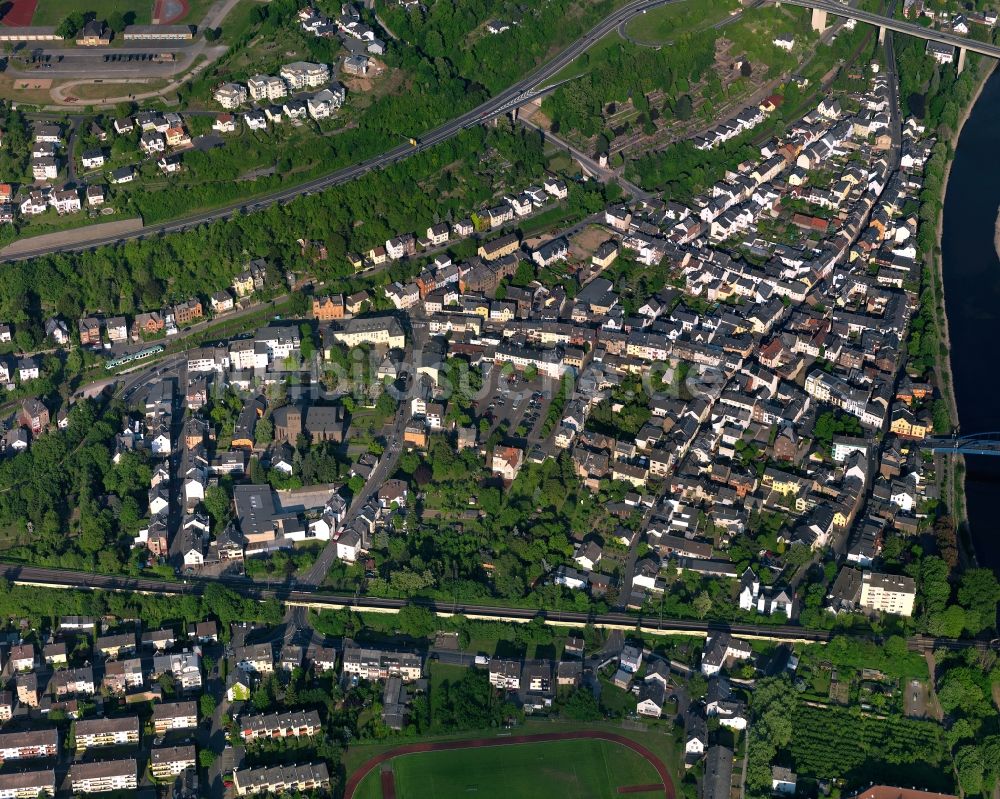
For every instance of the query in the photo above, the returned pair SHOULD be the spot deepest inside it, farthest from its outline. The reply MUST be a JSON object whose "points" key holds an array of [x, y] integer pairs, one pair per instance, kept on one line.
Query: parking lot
{"points": [[521, 404]]}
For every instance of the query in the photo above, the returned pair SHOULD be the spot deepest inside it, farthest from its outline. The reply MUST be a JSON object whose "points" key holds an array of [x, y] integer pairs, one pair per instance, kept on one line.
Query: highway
{"points": [[521, 92], [899, 26], [301, 600]]}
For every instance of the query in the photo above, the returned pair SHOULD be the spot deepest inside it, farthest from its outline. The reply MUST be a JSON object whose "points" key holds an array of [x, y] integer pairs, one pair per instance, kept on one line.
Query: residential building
{"points": [[378, 331], [104, 775], [73, 681], [282, 779], [379, 664], [230, 95], [184, 666], [174, 716], [29, 744], [292, 724], [93, 733], [266, 87], [27, 784], [888, 593], [255, 658], [328, 307], [304, 75], [188, 311], [170, 761]]}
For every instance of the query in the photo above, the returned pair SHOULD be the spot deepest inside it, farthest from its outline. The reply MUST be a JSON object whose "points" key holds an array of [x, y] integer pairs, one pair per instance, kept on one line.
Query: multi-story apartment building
{"points": [[304, 75], [29, 744], [103, 776], [92, 733], [230, 95], [169, 761], [505, 674], [188, 311], [295, 724], [266, 87], [114, 646], [255, 658], [185, 667], [73, 681], [379, 664], [378, 331], [121, 675], [888, 593], [28, 784], [282, 779], [22, 657], [174, 716]]}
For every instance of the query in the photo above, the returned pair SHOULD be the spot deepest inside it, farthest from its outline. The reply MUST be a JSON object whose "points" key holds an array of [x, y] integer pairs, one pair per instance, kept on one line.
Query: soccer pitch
{"points": [[572, 769]]}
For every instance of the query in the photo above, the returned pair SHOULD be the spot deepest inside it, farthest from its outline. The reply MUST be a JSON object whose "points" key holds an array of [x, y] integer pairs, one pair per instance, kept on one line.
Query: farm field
{"points": [[571, 769]]}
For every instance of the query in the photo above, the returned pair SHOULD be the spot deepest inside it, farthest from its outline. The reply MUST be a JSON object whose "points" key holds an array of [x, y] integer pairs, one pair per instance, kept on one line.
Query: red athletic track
{"points": [[19, 13], [388, 784], [408, 749]]}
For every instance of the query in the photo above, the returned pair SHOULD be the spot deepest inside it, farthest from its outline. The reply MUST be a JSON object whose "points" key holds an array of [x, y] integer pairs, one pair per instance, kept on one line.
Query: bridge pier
{"points": [[961, 60], [818, 20], [881, 34]]}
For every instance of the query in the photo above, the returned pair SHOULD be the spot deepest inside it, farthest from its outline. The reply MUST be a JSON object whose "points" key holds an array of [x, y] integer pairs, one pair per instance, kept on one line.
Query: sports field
{"points": [[559, 769], [48, 12]]}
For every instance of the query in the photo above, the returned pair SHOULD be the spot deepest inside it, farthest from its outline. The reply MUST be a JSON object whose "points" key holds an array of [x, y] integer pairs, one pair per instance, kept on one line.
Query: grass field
{"points": [[581, 769], [660, 25], [52, 13]]}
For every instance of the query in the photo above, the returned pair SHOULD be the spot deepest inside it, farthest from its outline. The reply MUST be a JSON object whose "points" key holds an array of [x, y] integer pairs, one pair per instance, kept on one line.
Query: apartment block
{"points": [[296, 724], [91, 733], [169, 761], [379, 664], [175, 716], [103, 776], [282, 779], [29, 744], [888, 593], [28, 784]]}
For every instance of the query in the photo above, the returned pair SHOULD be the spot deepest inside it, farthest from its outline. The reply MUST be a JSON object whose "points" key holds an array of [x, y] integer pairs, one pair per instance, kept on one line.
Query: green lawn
{"points": [[52, 13], [583, 769], [661, 25]]}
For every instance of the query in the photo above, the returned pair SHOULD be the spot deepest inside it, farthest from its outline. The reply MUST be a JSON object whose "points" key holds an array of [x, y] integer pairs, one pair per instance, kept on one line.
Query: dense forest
{"points": [[454, 33], [65, 498]]}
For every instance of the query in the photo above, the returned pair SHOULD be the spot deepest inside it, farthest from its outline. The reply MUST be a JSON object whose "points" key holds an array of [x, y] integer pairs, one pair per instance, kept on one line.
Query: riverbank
{"points": [[952, 468]]}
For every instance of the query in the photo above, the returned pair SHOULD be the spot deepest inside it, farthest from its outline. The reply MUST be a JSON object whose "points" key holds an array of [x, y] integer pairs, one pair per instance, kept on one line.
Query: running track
{"points": [[19, 13], [408, 749]]}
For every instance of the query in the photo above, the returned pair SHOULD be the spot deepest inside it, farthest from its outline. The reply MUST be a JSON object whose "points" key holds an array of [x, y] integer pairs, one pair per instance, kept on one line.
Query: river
{"points": [[972, 295]]}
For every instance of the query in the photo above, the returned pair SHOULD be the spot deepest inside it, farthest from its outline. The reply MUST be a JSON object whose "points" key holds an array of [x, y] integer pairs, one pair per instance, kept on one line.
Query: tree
{"points": [[702, 604], [264, 432], [206, 703], [116, 21], [70, 25], [683, 108], [206, 757], [979, 593], [416, 622], [211, 34], [217, 505], [969, 763], [580, 706]]}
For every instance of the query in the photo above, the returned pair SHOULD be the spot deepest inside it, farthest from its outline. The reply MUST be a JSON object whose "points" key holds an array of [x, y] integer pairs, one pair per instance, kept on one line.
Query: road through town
{"points": [[516, 95]]}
